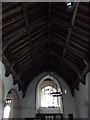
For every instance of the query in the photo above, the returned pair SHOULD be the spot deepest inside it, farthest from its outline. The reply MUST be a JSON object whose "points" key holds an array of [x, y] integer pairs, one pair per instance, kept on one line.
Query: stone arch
{"points": [[50, 77], [13, 95]]}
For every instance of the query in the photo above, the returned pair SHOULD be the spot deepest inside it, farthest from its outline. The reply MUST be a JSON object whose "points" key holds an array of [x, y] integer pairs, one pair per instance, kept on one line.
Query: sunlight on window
{"points": [[47, 100], [7, 111]]}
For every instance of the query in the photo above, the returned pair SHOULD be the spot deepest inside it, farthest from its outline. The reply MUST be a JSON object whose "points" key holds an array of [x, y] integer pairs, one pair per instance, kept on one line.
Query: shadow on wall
{"points": [[82, 99]]}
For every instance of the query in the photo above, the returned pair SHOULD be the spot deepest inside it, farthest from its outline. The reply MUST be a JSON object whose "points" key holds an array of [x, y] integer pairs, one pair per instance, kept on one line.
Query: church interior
{"points": [[45, 60]]}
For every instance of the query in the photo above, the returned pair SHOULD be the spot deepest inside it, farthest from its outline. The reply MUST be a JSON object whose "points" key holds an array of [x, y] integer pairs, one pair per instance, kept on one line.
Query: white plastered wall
{"points": [[6, 84], [82, 100], [29, 102], [27, 107]]}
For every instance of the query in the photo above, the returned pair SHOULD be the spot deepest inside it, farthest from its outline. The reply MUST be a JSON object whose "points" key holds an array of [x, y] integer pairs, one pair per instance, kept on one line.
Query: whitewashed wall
{"points": [[1, 98], [1, 92], [29, 102], [27, 106], [81, 99], [6, 84]]}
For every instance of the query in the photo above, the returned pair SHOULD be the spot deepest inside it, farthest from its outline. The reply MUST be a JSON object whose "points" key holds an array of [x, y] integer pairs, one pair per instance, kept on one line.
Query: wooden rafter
{"points": [[83, 75], [27, 23], [46, 27], [70, 31]]}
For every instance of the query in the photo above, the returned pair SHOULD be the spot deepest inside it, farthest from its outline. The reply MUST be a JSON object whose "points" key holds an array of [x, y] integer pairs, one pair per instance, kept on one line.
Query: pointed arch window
{"points": [[7, 108], [45, 99]]}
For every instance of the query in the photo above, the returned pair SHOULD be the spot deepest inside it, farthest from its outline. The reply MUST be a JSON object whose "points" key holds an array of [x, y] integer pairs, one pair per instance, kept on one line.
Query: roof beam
{"points": [[48, 27], [49, 23], [26, 21], [70, 31], [24, 8], [49, 19], [71, 65], [83, 76], [84, 73]]}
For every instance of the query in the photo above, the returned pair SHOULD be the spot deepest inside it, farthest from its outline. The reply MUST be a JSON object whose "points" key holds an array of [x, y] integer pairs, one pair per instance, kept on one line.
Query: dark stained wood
{"points": [[40, 37], [70, 31], [26, 21]]}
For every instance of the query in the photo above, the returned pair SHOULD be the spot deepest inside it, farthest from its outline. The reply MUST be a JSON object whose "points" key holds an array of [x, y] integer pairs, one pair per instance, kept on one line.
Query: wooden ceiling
{"points": [[40, 37]]}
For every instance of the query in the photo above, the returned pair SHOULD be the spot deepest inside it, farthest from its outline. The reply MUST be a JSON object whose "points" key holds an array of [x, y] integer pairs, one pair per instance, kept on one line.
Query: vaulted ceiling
{"points": [[40, 37]]}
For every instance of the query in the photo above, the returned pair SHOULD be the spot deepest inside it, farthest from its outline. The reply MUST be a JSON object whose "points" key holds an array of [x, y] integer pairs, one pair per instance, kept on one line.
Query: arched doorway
{"points": [[45, 101]]}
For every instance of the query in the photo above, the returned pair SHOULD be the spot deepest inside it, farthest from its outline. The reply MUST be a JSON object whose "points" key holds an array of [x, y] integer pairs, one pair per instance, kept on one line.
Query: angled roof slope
{"points": [[40, 37]]}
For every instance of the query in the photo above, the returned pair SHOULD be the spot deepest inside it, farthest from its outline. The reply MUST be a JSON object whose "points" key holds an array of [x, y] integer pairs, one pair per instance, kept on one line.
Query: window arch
{"points": [[11, 106], [44, 99], [7, 108], [47, 99]]}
